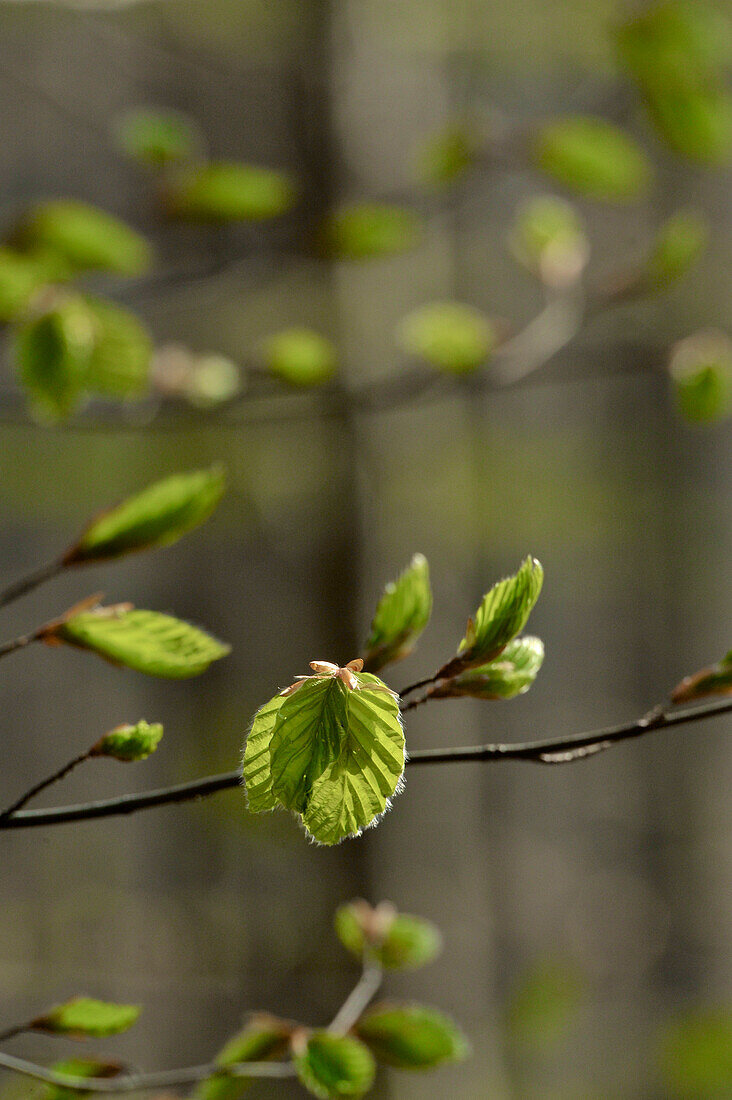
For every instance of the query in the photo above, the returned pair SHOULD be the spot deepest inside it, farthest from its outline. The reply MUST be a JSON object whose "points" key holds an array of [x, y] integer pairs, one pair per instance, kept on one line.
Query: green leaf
{"points": [[548, 237], [593, 156], [679, 243], [446, 156], [677, 54], [715, 680], [546, 1002], [401, 615], [448, 335], [214, 380], [511, 674], [52, 354], [300, 356], [158, 138], [411, 1036], [696, 1055], [77, 1068], [262, 1037], [130, 743], [20, 277], [85, 1017], [157, 516], [121, 356], [228, 191], [330, 1066], [85, 238], [701, 375], [147, 641], [397, 941], [360, 231], [502, 615], [333, 754]]}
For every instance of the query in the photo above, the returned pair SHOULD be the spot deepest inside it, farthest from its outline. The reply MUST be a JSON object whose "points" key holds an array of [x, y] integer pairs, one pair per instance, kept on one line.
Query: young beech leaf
{"points": [[548, 237], [397, 941], [410, 1036], [695, 1054], [331, 749], [52, 353], [715, 680], [300, 356], [593, 156], [84, 237], [401, 615], [450, 336], [20, 277], [85, 1017], [701, 375], [77, 1069], [361, 231], [228, 191], [119, 365], [157, 516], [130, 743], [147, 641], [158, 138], [330, 1066], [446, 156], [502, 614], [511, 674], [262, 1037], [678, 244]]}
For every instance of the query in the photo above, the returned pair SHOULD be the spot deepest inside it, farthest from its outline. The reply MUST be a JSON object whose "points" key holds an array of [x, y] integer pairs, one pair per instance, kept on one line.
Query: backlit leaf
{"points": [[398, 941], [679, 243], [147, 641], [411, 1036], [229, 191], [360, 231], [85, 1017], [130, 743], [593, 156], [300, 356], [76, 1068], [261, 1038], [157, 516], [20, 277], [84, 237], [52, 354], [510, 674], [257, 765], [450, 336], [121, 355], [401, 615], [158, 137], [330, 1066], [701, 375], [715, 680]]}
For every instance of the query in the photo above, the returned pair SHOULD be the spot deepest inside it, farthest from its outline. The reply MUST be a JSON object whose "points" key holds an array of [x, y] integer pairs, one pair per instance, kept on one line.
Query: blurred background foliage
{"points": [[345, 166]]}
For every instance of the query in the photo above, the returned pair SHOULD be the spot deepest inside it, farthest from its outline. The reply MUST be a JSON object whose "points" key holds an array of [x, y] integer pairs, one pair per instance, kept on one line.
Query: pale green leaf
{"points": [[120, 361], [84, 237], [158, 137], [410, 1036], [548, 237], [147, 641], [262, 1037], [257, 764], [715, 680], [85, 1017], [360, 231], [701, 375], [446, 156], [300, 356], [401, 615], [331, 1066], [679, 243], [229, 191], [130, 743], [76, 1068], [398, 941], [157, 516], [510, 674], [546, 1002], [20, 277], [450, 336], [52, 354], [695, 1055], [593, 156]]}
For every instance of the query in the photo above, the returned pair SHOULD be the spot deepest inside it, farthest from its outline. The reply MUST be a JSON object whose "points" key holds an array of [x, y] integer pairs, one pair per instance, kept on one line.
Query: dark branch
{"points": [[557, 750], [30, 581], [43, 785]]}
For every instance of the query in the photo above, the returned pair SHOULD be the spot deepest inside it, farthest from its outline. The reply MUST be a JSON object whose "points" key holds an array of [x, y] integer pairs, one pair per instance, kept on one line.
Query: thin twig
{"points": [[11, 1032], [44, 783], [18, 643], [353, 1007], [30, 581], [557, 750]]}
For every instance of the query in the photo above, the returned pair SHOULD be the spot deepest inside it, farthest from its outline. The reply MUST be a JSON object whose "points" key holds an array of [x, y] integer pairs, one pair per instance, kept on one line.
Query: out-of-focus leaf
{"points": [[509, 675], [262, 1037], [330, 1066], [677, 53], [701, 375], [411, 1036], [593, 156], [156, 644], [52, 354], [401, 615], [446, 156], [678, 244], [360, 231], [548, 237], [85, 1017], [20, 277], [715, 680], [696, 1055], [121, 355], [228, 191], [158, 137], [77, 1068], [130, 743], [214, 379], [300, 356], [546, 1002], [450, 336], [397, 941], [157, 516], [84, 237], [333, 754]]}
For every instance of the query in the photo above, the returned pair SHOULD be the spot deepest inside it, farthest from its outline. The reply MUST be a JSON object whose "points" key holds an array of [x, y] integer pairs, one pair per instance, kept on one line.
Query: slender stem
{"points": [[44, 783], [17, 643], [416, 685], [556, 750], [353, 1007], [11, 1032], [30, 581], [415, 702]]}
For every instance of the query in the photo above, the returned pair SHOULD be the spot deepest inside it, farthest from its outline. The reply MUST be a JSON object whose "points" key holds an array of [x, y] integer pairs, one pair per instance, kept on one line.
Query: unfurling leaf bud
{"points": [[129, 743]]}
